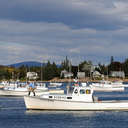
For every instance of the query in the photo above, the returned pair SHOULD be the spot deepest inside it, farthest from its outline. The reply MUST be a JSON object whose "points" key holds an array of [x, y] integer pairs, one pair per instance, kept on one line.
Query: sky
{"points": [[42, 30]]}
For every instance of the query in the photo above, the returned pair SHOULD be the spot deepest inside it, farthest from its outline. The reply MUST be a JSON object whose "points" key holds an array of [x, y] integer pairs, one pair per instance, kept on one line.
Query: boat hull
{"points": [[20, 93], [49, 104], [107, 89], [25, 93]]}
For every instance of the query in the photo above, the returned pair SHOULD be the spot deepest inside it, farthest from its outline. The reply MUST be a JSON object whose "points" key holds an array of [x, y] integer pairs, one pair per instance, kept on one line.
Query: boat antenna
{"points": [[78, 74]]}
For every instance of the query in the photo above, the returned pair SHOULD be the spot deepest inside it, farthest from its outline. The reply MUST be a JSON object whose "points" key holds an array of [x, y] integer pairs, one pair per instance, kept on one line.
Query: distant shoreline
{"points": [[80, 80], [87, 80]]}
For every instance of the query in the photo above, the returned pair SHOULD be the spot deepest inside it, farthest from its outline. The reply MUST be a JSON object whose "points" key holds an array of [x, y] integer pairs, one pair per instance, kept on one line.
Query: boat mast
{"points": [[41, 71], [69, 81], [78, 74]]}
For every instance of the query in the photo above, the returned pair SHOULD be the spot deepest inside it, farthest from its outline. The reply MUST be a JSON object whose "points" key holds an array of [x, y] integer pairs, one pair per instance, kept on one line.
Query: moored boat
{"points": [[19, 89], [77, 98], [107, 86], [54, 84], [15, 90], [20, 92]]}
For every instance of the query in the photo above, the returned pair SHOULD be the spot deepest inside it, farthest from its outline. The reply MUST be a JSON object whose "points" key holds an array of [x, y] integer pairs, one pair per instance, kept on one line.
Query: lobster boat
{"points": [[77, 98]]}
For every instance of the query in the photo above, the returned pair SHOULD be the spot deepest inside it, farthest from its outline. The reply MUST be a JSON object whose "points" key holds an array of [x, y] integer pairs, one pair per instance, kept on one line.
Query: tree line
{"points": [[52, 70]]}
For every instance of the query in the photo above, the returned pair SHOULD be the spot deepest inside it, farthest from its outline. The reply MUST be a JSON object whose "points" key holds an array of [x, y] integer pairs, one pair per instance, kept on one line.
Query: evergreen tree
{"points": [[112, 59], [125, 67], [85, 66], [66, 64]]}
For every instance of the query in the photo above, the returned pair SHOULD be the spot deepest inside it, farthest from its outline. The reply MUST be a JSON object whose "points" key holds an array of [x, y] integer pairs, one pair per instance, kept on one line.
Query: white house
{"points": [[96, 74], [81, 74], [32, 75], [66, 74], [117, 74]]}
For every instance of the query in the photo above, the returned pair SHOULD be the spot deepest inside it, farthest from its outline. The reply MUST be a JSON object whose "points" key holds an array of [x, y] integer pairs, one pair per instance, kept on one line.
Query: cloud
{"points": [[20, 41], [99, 14], [50, 30]]}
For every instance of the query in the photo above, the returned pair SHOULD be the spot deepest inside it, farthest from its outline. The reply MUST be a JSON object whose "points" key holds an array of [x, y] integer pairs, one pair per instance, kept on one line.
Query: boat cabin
{"points": [[74, 93]]}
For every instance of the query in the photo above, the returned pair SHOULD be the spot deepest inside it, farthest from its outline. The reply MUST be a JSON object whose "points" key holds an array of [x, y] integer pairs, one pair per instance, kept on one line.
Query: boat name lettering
{"points": [[59, 97]]}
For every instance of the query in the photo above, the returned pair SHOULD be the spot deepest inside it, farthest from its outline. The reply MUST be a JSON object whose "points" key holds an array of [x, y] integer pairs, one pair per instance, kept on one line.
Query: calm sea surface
{"points": [[13, 114]]}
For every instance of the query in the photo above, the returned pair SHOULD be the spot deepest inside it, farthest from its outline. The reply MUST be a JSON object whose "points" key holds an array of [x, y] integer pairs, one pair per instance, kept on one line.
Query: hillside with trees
{"points": [[51, 70]]}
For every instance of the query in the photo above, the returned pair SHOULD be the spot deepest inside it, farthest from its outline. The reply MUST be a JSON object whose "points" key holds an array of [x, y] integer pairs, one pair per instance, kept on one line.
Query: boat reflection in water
{"points": [[73, 113]]}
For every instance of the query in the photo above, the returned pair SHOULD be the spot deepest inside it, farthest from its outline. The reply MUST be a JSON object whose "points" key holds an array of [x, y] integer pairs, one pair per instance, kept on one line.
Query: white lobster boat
{"points": [[107, 86], [15, 89], [23, 91], [77, 98], [20, 92], [51, 84]]}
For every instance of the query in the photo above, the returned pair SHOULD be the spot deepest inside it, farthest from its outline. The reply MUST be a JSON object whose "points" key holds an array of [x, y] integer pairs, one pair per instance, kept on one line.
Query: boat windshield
{"points": [[70, 90]]}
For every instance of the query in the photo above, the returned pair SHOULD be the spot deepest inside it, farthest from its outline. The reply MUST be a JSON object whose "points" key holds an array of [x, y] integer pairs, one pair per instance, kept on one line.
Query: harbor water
{"points": [[13, 114]]}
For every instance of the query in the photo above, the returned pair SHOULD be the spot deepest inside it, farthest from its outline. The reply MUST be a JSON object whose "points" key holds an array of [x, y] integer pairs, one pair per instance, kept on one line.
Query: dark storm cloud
{"points": [[98, 14]]}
